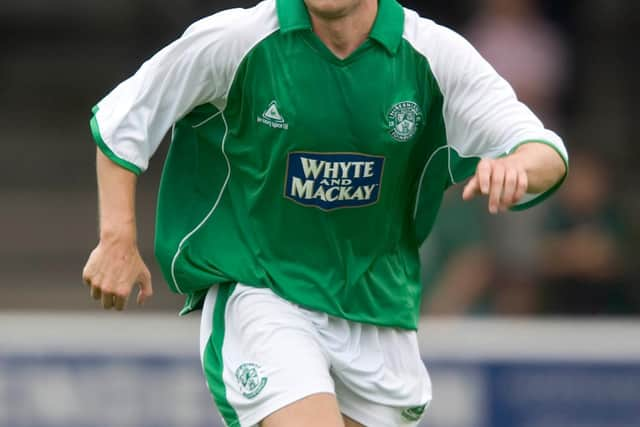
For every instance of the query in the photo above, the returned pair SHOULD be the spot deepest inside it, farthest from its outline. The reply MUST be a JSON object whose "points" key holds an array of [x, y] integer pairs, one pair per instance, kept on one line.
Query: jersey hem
{"points": [[195, 302], [97, 137]]}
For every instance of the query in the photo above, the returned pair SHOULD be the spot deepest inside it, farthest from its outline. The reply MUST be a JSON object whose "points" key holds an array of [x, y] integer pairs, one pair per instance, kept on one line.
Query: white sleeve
{"points": [[129, 124], [482, 114]]}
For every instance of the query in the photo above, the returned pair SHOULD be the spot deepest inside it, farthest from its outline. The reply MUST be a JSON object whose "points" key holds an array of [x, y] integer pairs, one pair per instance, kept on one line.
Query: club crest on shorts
{"points": [[414, 414], [250, 381], [404, 120]]}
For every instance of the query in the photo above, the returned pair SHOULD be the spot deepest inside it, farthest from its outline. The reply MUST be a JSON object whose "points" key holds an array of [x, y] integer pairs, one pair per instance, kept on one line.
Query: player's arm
{"points": [[115, 265], [494, 139], [128, 126], [533, 168]]}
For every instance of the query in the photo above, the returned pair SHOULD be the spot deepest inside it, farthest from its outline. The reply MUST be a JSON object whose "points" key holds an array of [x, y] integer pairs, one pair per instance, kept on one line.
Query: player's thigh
{"points": [[374, 411], [318, 410], [348, 422], [260, 355]]}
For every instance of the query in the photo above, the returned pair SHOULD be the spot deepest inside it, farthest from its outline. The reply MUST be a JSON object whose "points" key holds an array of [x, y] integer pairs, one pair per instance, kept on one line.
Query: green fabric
{"points": [[193, 302], [97, 137], [328, 55], [355, 262], [389, 25], [435, 176], [255, 194], [293, 16], [192, 179], [462, 168], [387, 30], [212, 362], [461, 224]]}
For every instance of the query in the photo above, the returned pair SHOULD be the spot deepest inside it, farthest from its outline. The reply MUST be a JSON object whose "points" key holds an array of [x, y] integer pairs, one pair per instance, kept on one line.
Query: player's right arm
{"points": [[115, 265], [128, 126]]}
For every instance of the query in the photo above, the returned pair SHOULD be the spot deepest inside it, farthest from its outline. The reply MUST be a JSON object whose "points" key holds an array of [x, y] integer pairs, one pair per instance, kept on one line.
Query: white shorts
{"points": [[261, 353]]}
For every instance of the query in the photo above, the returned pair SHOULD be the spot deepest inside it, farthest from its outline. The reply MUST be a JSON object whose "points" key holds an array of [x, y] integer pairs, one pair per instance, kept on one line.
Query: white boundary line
{"points": [[453, 340], [554, 339]]}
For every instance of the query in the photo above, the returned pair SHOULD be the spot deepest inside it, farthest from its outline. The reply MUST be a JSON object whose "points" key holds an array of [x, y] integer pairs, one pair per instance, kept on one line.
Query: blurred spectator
{"points": [[457, 267], [474, 264], [68, 38], [526, 49], [494, 268], [583, 258]]}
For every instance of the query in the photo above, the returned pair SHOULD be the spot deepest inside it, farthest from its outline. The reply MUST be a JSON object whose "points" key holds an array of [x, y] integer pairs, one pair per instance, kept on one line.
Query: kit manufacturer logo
{"points": [[273, 118]]}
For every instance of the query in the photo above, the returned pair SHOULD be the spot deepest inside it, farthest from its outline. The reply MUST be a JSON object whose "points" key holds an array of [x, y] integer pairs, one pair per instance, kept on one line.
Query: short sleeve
{"points": [[482, 115], [130, 122]]}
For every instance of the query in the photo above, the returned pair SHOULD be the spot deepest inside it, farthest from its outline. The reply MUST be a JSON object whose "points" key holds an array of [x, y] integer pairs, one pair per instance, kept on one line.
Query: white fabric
{"points": [[196, 69], [376, 373], [482, 114]]}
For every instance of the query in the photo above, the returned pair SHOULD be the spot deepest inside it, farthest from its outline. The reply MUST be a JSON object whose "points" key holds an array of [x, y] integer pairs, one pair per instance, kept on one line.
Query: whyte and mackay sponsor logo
{"points": [[334, 180]]}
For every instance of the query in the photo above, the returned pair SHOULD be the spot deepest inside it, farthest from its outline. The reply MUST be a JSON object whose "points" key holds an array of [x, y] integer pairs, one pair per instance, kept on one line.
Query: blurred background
{"points": [[565, 269]]}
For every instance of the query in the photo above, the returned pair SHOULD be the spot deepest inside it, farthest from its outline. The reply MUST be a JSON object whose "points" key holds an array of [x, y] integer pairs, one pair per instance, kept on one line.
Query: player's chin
{"points": [[331, 9]]}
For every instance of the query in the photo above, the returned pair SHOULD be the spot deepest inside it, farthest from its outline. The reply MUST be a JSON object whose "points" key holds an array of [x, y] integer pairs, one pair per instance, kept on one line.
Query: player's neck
{"points": [[344, 34]]}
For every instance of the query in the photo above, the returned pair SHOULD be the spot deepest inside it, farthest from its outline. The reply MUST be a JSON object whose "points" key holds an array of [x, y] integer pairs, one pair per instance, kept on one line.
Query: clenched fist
{"points": [[114, 268]]}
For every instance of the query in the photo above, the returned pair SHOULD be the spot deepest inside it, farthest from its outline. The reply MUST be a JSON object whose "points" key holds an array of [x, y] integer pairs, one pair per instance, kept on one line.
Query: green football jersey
{"points": [[314, 176]]}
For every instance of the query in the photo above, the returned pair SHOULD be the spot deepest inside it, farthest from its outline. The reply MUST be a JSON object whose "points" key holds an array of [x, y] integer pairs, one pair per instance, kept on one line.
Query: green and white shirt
{"points": [[315, 176]]}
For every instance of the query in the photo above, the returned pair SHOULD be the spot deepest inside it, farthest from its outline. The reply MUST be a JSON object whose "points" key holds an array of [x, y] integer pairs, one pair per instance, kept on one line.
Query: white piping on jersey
{"points": [[424, 171], [205, 121], [453, 181], [213, 209], [224, 141]]}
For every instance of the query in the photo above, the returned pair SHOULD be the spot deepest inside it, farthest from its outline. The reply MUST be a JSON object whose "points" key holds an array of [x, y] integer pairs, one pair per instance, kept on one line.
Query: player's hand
{"points": [[114, 268], [504, 181]]}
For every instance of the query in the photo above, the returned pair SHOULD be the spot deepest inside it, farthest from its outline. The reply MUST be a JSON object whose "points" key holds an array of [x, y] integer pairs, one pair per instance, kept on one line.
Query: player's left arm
{"points": [[492, 137], [533, 168]]}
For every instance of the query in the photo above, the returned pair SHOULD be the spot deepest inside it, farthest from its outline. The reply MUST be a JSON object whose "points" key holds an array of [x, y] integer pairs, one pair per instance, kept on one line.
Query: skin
{"points": [[343, 25], [532, 168], [115, 266], [315, 410]]}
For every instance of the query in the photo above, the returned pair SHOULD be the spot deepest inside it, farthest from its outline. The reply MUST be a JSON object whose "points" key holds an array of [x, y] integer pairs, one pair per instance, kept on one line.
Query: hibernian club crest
{"points": [[404, 120], [250, 380], [414, 414]]}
